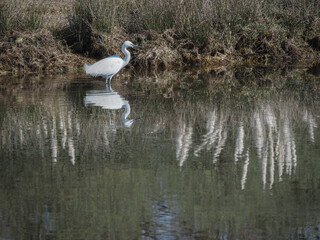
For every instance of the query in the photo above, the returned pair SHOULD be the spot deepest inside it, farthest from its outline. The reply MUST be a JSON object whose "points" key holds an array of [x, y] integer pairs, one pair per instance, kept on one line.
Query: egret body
{"points": [[109, 66]]}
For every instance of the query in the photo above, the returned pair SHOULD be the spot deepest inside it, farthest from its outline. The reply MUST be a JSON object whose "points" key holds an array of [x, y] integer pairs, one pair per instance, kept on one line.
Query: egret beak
{"points": [[133, 45]]}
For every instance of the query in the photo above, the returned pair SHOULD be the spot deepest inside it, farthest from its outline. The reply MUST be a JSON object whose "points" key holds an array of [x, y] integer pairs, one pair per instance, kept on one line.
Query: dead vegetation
{"points": [[35, 51], [172, 33]]}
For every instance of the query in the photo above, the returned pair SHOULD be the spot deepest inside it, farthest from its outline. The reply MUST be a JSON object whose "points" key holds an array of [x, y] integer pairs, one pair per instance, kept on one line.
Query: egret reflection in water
{"points": [[111, 100]]}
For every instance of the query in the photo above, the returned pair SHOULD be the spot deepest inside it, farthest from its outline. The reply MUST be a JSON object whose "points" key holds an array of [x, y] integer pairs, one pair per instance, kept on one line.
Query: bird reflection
{"points": [[111, 100]]}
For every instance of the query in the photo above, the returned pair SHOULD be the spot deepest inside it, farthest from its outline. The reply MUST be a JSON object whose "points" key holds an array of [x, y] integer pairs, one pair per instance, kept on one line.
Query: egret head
{"points": [[129, 44]]}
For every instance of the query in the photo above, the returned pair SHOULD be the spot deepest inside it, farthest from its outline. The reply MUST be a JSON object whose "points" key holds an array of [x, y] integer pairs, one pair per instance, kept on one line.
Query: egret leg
{"points": [[110, 84]]}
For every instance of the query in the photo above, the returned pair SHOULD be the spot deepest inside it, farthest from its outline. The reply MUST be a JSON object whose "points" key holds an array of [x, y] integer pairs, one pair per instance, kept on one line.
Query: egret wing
{"points": [[105, 67]]}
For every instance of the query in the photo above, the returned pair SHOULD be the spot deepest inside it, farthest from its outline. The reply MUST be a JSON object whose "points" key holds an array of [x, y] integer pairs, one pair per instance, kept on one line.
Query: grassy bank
{"points": [[184, 32]]}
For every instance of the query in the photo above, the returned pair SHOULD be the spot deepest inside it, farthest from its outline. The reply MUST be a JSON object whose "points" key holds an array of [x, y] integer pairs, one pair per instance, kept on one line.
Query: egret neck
{"points": [[127, 55]]}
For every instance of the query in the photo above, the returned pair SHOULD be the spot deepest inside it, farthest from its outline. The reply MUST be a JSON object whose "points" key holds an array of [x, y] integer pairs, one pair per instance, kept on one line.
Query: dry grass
{"points": [[171, 32], [21, 15], [258, 31]]}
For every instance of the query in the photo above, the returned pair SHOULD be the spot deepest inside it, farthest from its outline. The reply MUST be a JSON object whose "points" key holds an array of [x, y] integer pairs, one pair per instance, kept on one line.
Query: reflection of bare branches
{"points": [[71, 151], [309, 119], [45, 127], [183, 142], [221, 142], [271, 122], [78, 126], [70, 140], [280, 155], [273, 135], [271, 150], [63, 129], [290, 157], [59, 128], [239, 142], [259, 133], [245, 170], [215, 137], [54, 142], [211, 135], [284, 150], [264, 165], [270, 118], [106, 137]]}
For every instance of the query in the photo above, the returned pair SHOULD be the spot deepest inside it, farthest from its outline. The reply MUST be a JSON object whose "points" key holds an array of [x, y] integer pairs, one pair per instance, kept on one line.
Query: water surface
{"points": [[207, 158]]}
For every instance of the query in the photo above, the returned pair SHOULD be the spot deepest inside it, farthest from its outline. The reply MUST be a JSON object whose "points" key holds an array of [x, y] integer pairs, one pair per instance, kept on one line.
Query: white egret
{"points": [[109, 66], [111, 100]]}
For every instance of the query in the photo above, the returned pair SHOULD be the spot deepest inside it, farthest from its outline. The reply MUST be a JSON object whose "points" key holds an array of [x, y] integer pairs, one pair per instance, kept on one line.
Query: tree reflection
{"points": [[268, 125], [191, 166]]}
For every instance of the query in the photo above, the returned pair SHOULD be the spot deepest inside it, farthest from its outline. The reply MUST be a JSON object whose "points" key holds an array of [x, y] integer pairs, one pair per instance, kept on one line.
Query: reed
{"points": [[173, 32], [203, 20], [21, 15]]}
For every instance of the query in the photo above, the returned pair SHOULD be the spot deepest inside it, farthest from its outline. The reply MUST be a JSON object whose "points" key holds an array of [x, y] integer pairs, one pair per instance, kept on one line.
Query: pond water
{"points": [[160, 158]]}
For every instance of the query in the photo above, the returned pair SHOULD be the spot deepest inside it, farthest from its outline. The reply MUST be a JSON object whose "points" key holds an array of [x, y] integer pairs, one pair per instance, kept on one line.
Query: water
{"points": [[206, 158]]}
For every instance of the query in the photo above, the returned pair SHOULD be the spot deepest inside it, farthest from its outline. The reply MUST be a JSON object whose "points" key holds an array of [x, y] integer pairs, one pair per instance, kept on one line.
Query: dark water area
{"points": [[207, 158]]}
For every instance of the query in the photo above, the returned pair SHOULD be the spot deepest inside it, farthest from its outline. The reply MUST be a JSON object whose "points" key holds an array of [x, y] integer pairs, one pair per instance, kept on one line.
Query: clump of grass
{"points": [[198, 21], [21, 15], [79, 31], [89, 24]]}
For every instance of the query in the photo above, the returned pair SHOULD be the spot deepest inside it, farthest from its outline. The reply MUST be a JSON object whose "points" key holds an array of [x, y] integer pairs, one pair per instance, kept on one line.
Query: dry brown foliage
{"points": [[36, 51]]}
